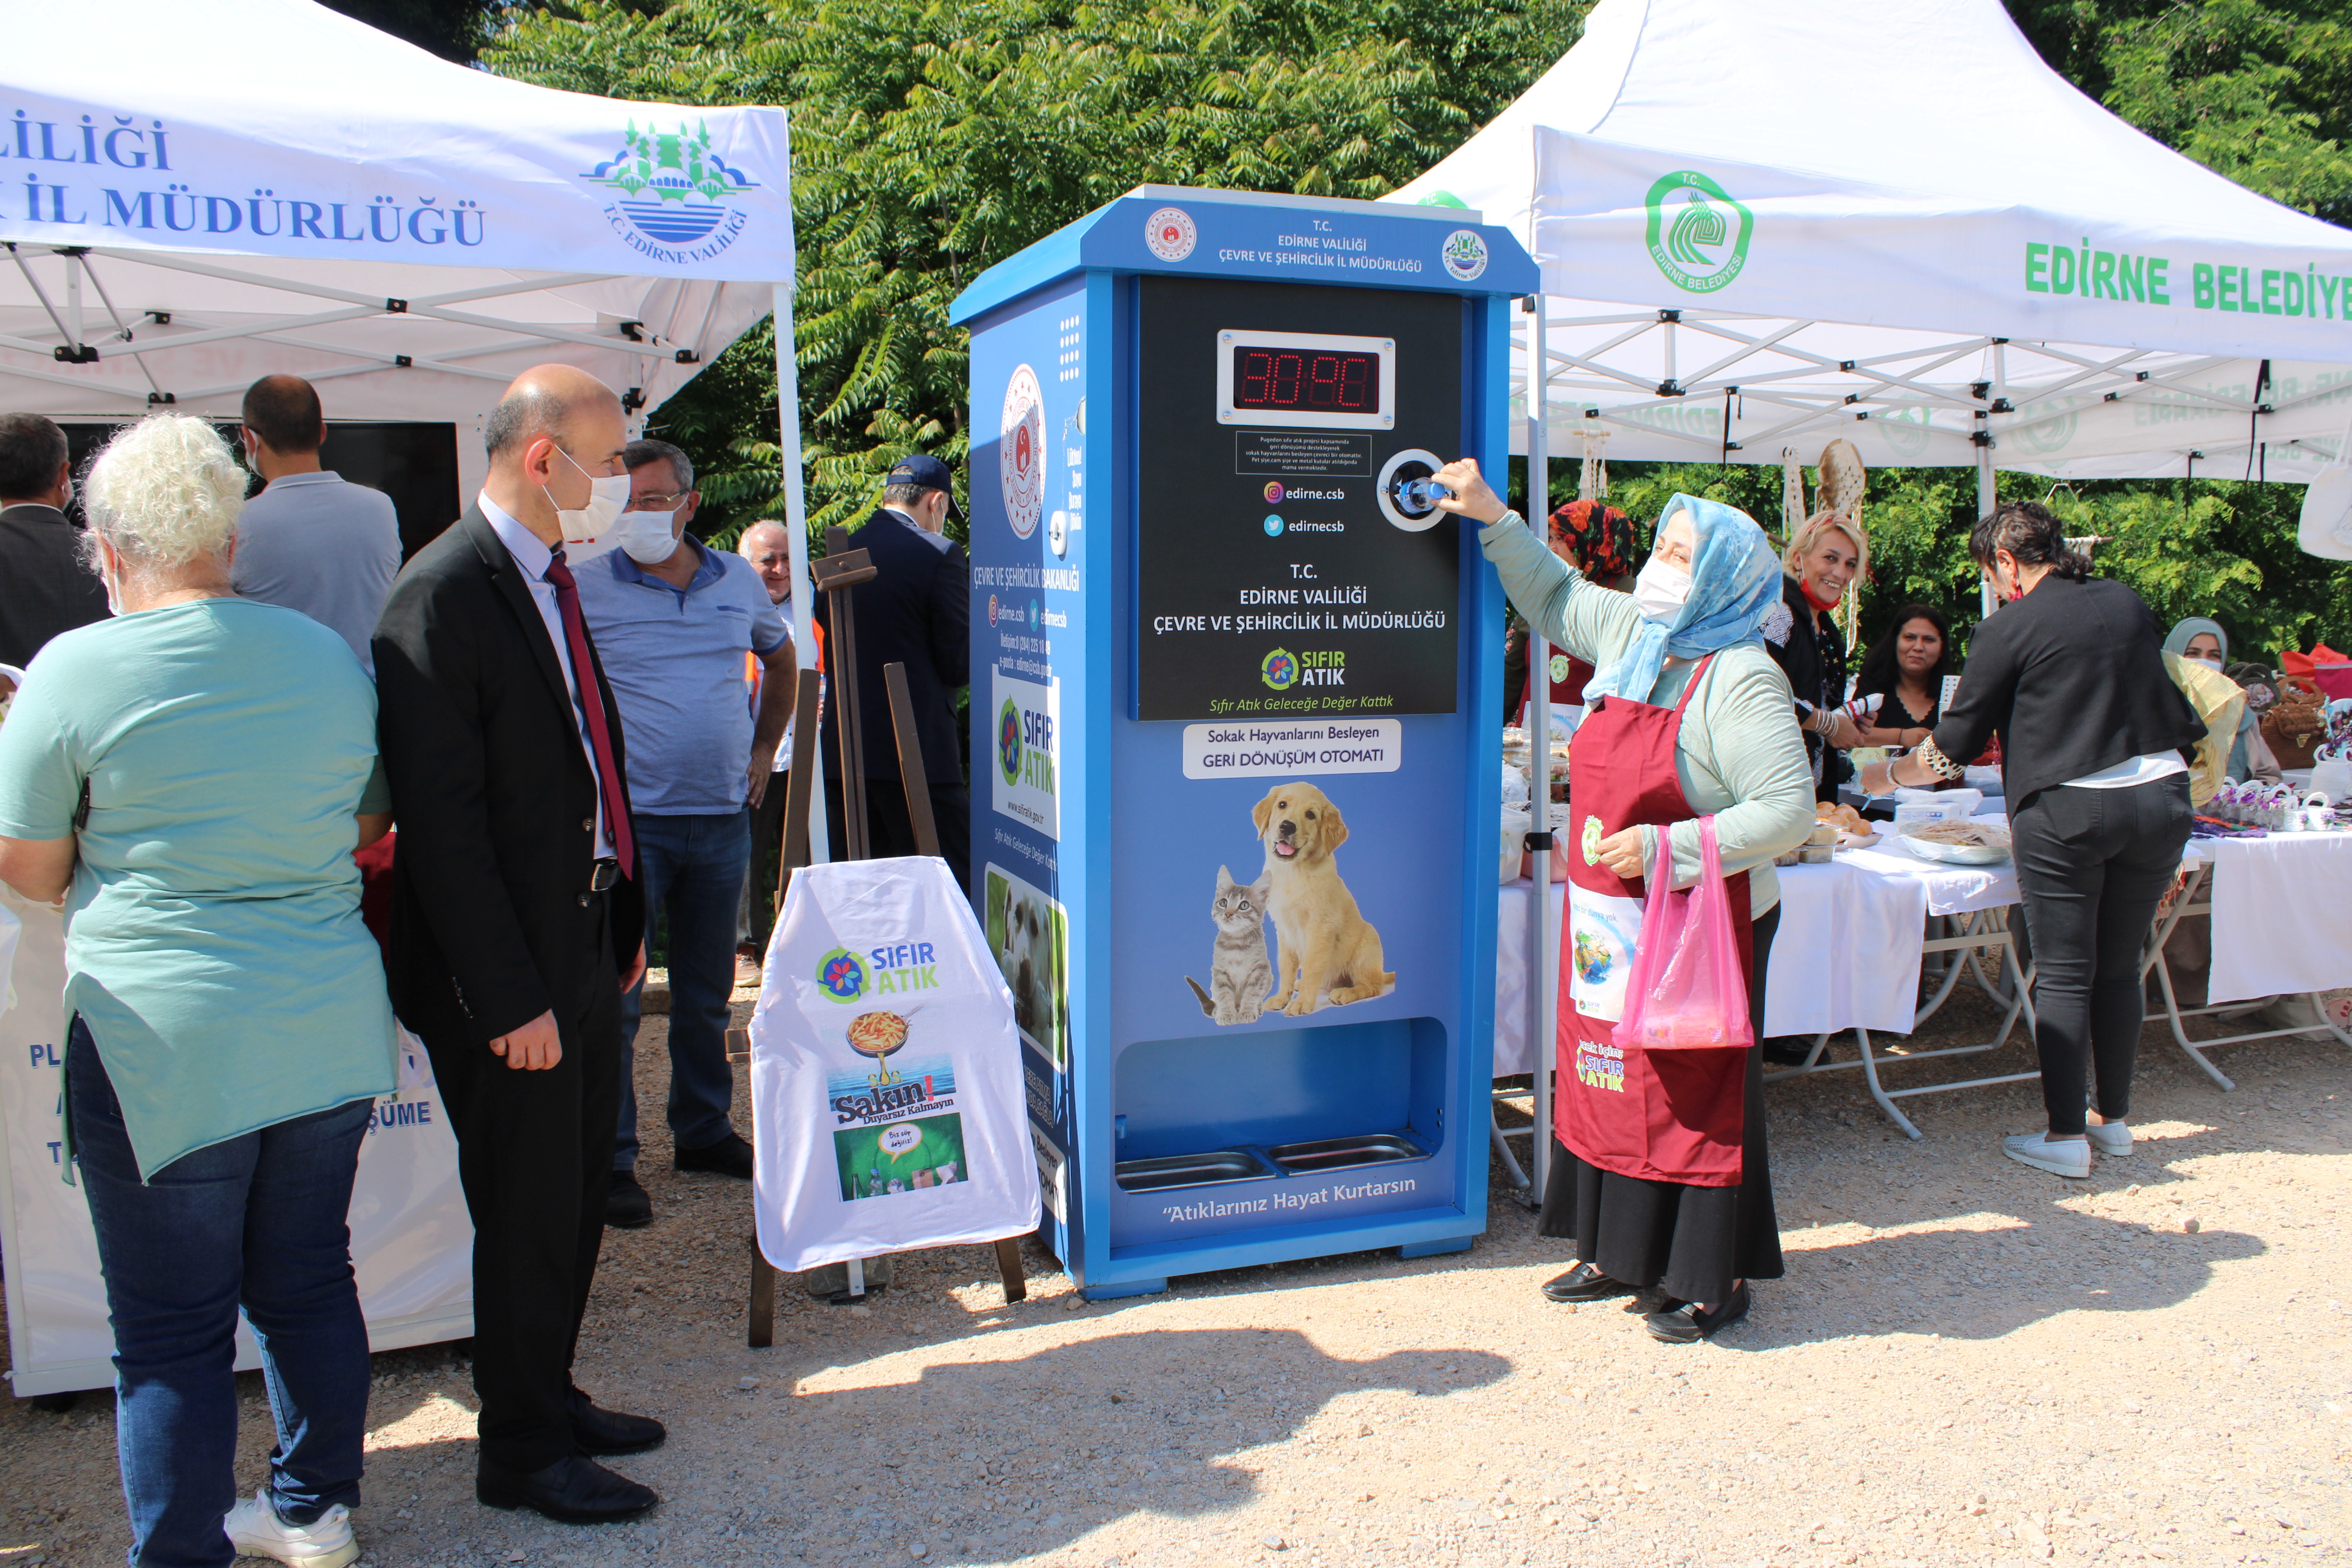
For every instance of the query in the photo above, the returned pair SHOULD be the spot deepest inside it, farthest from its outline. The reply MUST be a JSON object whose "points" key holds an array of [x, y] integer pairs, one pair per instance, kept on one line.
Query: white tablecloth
{"points": [[2282, 921], [1847, 953]]}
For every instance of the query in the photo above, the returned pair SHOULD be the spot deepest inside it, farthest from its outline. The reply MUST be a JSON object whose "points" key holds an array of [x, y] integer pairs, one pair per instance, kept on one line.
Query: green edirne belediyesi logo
{"points": [[674, 186], [1697, 234]]}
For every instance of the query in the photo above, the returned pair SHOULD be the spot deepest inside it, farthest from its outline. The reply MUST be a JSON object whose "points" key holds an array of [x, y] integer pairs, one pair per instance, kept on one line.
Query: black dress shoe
{"points": [[730, 1156], [573, 1490], [1689, 1323], [626, 1205], [1584, 1283], [601, 1431]]}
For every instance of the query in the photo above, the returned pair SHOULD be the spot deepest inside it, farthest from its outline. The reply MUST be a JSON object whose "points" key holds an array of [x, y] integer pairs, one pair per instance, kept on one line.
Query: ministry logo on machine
{"points": [[1697, 234], [841, 974], [1169, 234], [675, 195], [1279, 669], [1020, 451], [1464, 255]]}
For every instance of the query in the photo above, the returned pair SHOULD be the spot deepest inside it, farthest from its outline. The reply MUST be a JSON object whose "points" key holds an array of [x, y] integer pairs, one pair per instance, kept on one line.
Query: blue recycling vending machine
{"points": [[1234, 696]]}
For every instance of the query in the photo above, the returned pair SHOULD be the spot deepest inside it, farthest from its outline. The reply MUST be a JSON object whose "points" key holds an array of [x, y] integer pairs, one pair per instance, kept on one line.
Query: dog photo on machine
{"points": [[1324, 947]]}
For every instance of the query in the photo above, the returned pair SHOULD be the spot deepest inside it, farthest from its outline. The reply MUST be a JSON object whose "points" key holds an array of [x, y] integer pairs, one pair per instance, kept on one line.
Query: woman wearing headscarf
{"points": [[2203, 642], [2095, 742], [1598, 540], [1663, 1179], [1822, 560]]}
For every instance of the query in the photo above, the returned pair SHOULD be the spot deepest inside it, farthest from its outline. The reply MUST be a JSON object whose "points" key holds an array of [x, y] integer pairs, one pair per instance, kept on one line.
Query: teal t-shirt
{"points": [[213, 936]]}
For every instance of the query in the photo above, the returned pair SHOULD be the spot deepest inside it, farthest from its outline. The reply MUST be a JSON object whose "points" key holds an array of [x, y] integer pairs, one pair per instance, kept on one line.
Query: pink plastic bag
{"points": [[1686, 991]]}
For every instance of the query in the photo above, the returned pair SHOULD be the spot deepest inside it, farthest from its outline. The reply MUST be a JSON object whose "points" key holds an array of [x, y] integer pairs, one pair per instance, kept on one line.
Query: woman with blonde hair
{"points": [[191, 778], [1818, 567]]}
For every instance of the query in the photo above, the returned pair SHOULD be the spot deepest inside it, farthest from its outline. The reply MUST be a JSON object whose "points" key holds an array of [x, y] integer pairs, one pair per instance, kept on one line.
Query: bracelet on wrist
{"points": [[1932, 758]]}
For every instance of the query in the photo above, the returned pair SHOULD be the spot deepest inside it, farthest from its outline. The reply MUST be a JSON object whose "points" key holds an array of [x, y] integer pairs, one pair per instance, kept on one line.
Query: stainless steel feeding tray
{"points": [[1339, 1153], [1211, 1168]]}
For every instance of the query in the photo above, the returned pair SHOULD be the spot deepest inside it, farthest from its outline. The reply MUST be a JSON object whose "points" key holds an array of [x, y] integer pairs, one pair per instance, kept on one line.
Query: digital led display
{"points": [[1310, 380]]}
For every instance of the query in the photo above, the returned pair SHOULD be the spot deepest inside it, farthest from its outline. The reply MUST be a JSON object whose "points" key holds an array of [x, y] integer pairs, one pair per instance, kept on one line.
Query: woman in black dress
{"points": [[1905, 670], [1822, 563]]}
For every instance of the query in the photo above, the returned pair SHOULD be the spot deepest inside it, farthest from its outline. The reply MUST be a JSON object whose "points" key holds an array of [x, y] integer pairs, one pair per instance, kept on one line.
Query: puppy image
{"points": [[1321, 941], [1027, 963]]}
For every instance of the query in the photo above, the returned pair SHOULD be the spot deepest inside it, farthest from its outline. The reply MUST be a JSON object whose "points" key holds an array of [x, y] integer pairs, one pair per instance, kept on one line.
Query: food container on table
{"points": [[1516, 826], [1992, 850], [1823, 833], [1817, 854]]}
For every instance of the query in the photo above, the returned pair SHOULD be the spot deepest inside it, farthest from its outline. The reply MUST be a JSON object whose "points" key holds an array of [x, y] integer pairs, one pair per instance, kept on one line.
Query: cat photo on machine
{"points": [[1240, 977]]}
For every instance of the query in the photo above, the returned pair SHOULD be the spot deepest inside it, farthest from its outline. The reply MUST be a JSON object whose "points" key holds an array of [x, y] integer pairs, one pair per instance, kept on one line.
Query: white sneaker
{"points": [[2113, 1139], [253, 1527], [2059, 1159]]}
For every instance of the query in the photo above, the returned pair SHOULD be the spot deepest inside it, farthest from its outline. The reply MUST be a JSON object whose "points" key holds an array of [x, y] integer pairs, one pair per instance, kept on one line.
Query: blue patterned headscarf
{"points": [[1735, 582]]}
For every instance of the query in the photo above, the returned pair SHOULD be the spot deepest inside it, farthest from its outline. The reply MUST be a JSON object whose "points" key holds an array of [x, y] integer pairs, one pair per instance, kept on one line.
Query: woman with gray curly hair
{"points": [[191, 778]]}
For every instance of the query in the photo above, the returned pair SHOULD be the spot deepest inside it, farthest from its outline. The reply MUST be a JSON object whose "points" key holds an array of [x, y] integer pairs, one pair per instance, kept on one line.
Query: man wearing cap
{"points": [[916, 612]]}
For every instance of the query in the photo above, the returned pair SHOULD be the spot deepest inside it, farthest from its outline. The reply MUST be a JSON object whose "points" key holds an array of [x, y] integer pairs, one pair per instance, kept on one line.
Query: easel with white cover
{"points": [[839, 571]]}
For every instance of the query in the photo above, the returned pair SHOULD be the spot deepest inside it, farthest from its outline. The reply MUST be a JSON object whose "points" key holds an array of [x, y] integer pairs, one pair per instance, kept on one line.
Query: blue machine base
{"points": [[1124, 1288], [1432, 1248]]}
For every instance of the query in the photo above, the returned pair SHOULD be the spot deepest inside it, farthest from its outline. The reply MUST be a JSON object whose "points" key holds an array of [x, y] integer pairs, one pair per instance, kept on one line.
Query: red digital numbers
{"points": [[1306, 380]]}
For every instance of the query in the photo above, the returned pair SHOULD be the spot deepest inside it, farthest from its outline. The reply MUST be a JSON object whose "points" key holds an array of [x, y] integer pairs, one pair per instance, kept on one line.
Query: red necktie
{"points": [[591, 705]]}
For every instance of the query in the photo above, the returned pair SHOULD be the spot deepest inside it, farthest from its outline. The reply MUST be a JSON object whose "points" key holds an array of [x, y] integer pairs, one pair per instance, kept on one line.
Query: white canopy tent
{"points": [[227, 188], [1764, 224]]}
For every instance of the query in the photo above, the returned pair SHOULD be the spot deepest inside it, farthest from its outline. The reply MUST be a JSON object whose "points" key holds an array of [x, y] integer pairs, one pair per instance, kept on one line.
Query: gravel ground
{"points": [[1969, 1363]]}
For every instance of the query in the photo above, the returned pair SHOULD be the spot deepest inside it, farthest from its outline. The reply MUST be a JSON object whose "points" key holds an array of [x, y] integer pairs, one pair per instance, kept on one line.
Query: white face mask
{"points": [[1659, 590], [588, 531], [2208, 660], [647, 536]]}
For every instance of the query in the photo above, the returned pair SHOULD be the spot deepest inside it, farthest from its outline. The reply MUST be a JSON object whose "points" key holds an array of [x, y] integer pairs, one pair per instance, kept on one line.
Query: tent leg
{"points": [[1544, 941], [788, 448]]}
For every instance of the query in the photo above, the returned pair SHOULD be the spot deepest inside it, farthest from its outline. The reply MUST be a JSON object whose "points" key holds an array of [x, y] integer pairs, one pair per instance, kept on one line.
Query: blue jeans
{"points": [[693, 870], [258, 1222]]}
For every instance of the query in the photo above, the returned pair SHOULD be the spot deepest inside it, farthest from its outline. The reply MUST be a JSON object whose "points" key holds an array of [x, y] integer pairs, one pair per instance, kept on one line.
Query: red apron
{"points": [[1568, 677], [1668, 1116]]}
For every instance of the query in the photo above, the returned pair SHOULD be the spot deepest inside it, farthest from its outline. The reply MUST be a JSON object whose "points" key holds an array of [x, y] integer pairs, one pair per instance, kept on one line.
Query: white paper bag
{"points": [[886, 1072]]}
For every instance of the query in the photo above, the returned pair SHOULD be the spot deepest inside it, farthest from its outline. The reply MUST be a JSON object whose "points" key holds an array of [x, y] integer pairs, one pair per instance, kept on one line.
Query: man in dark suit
{"points": [[517, 919], [45, 587], [916, 612]]}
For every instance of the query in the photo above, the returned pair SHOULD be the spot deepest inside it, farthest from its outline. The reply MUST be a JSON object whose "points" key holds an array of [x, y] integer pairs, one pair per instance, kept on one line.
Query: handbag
{"points": [[1686, 991], [2296, 722]]}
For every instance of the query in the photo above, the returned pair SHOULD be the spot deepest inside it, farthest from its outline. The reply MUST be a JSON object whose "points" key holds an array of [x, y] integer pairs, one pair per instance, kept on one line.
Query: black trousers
{"points": [[535, 1157], [892, 831], [2091, 865]]}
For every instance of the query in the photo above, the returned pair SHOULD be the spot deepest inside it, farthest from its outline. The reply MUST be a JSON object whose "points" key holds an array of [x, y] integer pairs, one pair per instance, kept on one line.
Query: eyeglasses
{"points": [[659, 503]]}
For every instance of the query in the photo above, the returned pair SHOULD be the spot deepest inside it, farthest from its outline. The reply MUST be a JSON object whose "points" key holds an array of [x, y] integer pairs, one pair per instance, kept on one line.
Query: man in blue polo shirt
{"points": [[672, 620]]}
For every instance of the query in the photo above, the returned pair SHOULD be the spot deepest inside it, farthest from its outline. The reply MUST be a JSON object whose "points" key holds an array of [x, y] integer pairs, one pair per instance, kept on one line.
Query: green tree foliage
{"points": [[2260, 90], [930, 142]]}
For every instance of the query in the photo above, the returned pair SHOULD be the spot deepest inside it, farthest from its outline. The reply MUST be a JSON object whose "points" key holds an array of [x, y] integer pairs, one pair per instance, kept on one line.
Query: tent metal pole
{"points": [[1986, 501], [1542, 942], [788, 457]]}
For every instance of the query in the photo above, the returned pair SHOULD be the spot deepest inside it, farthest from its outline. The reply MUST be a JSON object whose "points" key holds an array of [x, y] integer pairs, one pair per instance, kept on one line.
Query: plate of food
{"points": [[1853, 829], [1957, 840]]}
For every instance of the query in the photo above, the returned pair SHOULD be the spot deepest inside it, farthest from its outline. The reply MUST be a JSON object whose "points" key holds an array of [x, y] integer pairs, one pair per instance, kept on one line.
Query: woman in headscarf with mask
{"points": [[1662, 1178], [2203, 642]]}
